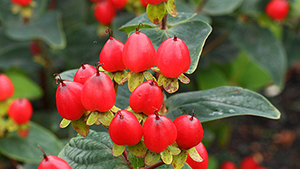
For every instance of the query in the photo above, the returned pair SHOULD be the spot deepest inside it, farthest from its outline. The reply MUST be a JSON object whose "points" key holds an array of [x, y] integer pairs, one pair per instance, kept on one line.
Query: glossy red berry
{"points": [[159, 132], [20, 110], [146, 98], [277, 9], [68, 100], [125, 129], [84, 72], [111, 55], [228, 165], [34, 48], [249, 163], [98, 93], [138, 52], [6, 88], [144, 3], [119, 4], [21, 2], [53, 162], [154, 2], [189, 131], [203, 154], [104, 12], [173, 57]]}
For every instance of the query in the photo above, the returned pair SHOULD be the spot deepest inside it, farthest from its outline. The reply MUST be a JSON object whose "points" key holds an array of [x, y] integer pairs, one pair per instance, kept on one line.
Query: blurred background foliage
{"points": [[246, 48]]}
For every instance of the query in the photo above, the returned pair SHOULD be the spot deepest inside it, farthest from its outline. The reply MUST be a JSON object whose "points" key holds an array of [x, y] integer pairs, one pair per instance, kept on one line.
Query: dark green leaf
{"points": [[165, 166], [135, 162], [219, 103], [67, 75], [47, 28], [211, 77], [92, 152], [26, 149], [263, 47], [221, 7]]}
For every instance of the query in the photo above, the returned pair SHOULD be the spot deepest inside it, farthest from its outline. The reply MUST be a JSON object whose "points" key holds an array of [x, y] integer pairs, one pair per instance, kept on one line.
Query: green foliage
{"points": [[217, 7]]}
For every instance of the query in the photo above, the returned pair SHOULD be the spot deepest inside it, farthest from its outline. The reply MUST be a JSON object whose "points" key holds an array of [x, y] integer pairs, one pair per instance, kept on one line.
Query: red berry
{"points": [[154, 2], [68, 100], [104, 12], [138, 52], [53, 162], [203, 154], [20, 110], [111, 55], [249, 163], [34, 48], [189, 131], [159, 132], [98, 93], [125, 129], [144, 3], [277, 9], [21, 2], [146, 98], [84, 72], [228, 165], [119, 4], [173, 57], [6, 88]]}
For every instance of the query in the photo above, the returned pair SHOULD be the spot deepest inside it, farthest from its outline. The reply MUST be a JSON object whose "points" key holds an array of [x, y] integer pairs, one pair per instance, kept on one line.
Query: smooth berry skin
{"points": [[154, 2], [173, 57], [277, 9], [22, 2], [98, 93], [111, 55], [104, 12], [20, 110], [138, 52], [68, 100], [6, 88], [53, 162], [203, 154], [228, 165], [159, 132], [119, 4], [189, 131], [125, 129], [146, 98], [249, 163], [84, 72]]}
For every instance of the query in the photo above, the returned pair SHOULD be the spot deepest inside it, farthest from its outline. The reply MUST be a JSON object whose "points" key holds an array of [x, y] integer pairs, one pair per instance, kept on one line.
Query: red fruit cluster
{"points": [[20, 110], [105, 10], [6, 88], [21, 2], [247, 163], [277, 9]]}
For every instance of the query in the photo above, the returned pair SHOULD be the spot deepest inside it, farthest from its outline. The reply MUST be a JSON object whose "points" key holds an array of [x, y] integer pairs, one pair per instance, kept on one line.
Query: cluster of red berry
{"points": [[277, 9], [19, 110], [22, 2], [93, 90], [105, 10], [247, 163]]}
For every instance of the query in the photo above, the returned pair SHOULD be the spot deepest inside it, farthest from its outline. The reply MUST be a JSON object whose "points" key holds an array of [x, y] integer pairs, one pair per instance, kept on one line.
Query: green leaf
{"points": [[47, 28], [221, 7], [67, 75], [105, 118], [171, 7], [193, 153], [26, 149], [81, 127], [211, 77], [135, 162], [118, 150], [151, 158], [179, 160], [138, 150], [24, 87], [92, 118], [135, 79], [165, 166], [93, 152], [263, 47], [156, 12], [166, 156], [219, 103]]}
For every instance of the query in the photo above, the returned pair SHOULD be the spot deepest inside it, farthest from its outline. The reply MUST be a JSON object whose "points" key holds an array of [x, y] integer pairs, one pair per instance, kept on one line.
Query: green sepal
{"points": [[184, 79], [138, 150], [135, 79], [179, 160], [156, 12], [139, 116], [121, 77], [171, 7], [151, 158], [166, 156], [105, 118], [3, 107], [92, 118], [2, 127], [81, 127], [193, 153], [115, 109], [118, 150], [174, 149], [171, 85], [64, 123], [11, 125], [148, 76]]}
